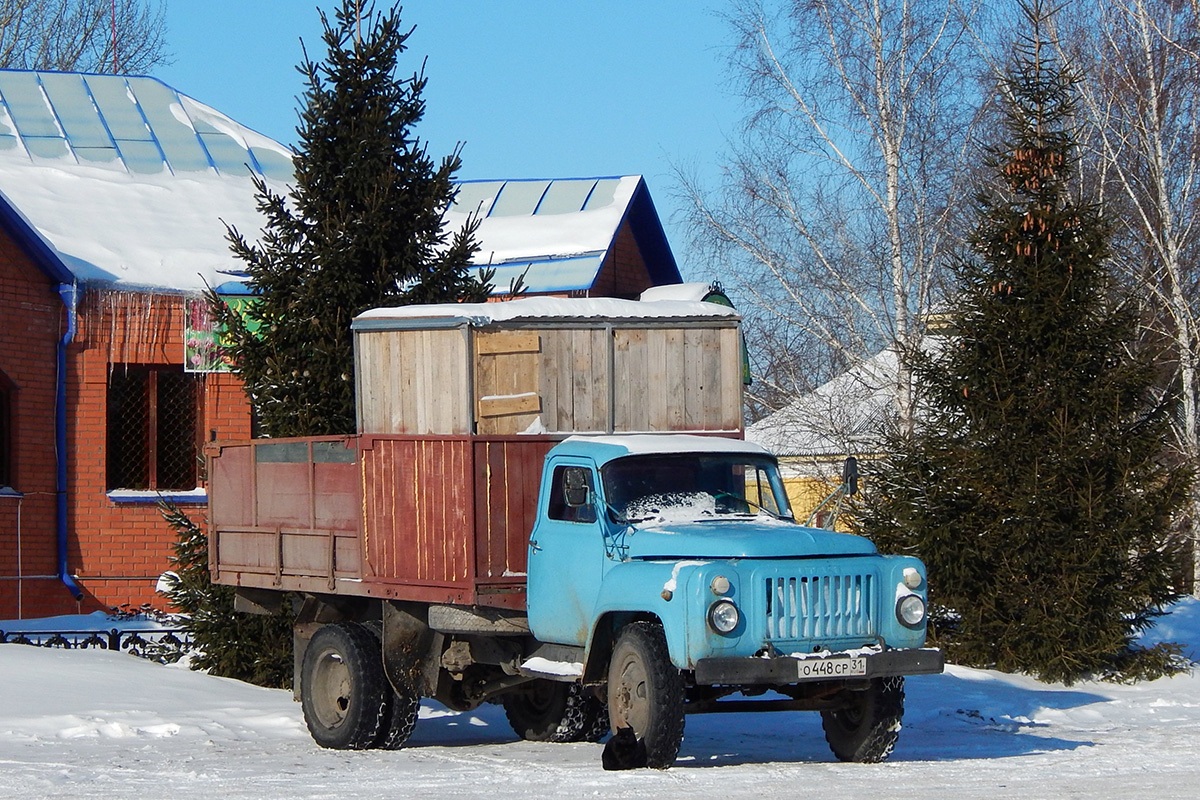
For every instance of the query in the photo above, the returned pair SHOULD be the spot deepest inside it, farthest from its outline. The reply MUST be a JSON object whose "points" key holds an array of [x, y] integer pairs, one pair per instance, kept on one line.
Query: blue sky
{"points": [[534, 88]]}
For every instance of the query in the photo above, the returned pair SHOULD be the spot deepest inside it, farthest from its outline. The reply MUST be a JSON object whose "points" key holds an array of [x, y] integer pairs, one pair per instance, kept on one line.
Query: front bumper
{"points": [[783, 670]]}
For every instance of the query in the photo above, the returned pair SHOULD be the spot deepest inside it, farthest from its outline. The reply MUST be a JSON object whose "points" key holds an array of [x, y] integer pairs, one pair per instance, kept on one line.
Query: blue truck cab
{"points": [[675, 562]]}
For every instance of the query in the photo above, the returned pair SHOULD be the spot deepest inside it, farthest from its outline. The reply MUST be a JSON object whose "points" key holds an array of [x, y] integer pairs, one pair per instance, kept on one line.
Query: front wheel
{"points": [[866, 729], [645, 692], [342, 687], [549, 711]]}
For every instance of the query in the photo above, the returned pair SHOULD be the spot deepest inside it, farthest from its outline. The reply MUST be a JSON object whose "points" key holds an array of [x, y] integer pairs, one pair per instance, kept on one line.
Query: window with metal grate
{"points": [[153, 428]]}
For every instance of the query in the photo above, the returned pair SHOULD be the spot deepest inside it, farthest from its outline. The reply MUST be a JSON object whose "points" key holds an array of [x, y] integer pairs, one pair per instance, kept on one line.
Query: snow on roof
{"points": [[844, 416], [530, 220], [651, 443], [679, 291], [537, 309], [556, 233], [128, 180]]}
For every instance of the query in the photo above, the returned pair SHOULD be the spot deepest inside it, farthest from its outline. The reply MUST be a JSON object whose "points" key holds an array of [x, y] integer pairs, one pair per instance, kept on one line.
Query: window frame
{"points": [[150, 448], [557, 508]]}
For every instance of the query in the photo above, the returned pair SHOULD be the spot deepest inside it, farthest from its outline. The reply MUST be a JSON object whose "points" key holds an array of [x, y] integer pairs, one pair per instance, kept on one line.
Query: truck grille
{"points": [[821, 607]]}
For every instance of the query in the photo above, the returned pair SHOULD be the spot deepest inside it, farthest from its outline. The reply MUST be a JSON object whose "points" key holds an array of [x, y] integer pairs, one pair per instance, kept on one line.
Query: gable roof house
{"points": [[113, 191], [849, 415], [813, 434]]}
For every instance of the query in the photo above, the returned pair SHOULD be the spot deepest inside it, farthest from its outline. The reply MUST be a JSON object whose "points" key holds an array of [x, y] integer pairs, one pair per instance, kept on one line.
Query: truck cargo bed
{"points": [[446, 519]]}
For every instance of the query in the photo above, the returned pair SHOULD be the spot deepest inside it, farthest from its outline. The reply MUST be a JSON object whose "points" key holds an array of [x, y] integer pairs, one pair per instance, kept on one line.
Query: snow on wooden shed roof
{"points": [[538, 309]]}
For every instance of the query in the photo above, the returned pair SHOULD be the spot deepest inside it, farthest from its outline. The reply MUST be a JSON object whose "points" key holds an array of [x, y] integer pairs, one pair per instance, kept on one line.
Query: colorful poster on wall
{"points": [[203, 336]]}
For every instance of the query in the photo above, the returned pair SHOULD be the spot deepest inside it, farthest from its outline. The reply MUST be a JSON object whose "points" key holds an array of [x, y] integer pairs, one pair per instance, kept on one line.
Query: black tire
{"points": [[593, 723], [866, 729], [645, 692], [342, 687], [403, 706], [551, 711], [401, 719]]}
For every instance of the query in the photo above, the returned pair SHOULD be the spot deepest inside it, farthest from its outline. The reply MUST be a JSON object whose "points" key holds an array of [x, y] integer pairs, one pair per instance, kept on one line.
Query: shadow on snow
{"points": [[947, 718]]}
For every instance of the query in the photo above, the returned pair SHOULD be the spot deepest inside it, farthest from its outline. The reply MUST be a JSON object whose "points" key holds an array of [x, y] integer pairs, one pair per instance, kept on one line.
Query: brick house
{"points": [[113, 191]]}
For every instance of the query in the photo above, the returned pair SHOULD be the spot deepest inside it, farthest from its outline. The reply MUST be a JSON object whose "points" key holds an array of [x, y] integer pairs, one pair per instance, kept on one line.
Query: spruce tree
{"points": [[252, 648], [361, 227], [1035, 487]]}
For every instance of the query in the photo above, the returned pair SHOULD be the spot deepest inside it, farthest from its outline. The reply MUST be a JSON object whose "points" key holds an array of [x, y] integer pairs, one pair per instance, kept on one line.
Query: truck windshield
{"points": [[690, 486]]}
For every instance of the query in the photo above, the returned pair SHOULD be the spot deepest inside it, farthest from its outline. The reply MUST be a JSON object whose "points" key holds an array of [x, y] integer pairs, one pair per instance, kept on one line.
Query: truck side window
{"points": [[559, 508]]}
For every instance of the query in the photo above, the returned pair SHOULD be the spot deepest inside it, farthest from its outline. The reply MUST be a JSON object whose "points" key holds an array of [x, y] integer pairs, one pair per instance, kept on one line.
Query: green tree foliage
{"points": [[362, 227], [1035, 489], [252, 648]]}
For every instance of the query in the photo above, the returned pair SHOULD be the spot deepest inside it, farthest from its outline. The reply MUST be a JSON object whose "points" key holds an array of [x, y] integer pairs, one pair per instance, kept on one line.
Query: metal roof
{"points": [[123, 180], [138, 125], [557, 233]]}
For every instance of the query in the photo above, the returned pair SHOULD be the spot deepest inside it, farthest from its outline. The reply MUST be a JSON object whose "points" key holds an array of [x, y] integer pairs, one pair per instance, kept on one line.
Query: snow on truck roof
{"points": [[665, 443], [539, 309]]}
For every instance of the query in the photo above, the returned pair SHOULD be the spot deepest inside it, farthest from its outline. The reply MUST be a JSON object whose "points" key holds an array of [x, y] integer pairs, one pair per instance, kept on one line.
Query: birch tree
{"points": [[125, 36], [832, 214], [1142, 98]]}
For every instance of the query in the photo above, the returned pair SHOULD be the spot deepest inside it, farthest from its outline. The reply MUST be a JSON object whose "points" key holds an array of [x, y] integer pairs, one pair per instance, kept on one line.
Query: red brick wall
{"points": [[623, 273], [30, 323], [118, 549]]}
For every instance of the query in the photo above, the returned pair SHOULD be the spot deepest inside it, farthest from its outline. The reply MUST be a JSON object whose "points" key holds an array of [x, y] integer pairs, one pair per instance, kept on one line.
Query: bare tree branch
{"points": [[833, 217], [128, 36], [1141, 94]]}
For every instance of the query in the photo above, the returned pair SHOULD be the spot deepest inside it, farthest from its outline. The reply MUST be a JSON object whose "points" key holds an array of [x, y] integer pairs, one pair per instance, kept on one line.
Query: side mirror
{"points": [[850, 475], [576, 491]]}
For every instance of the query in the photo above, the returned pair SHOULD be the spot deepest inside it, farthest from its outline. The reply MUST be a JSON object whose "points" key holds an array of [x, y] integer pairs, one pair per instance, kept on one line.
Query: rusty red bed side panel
{"points": [[417, 505], [283, 513], [505, 510], [430, 518]]}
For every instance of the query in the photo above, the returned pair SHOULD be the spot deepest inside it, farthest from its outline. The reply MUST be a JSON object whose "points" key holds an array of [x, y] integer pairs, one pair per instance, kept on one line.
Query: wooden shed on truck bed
{"points": [[549, 365]]}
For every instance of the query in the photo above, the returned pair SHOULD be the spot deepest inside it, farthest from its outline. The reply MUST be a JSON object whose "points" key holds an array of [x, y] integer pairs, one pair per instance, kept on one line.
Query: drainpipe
{"points": [[70, 298]]}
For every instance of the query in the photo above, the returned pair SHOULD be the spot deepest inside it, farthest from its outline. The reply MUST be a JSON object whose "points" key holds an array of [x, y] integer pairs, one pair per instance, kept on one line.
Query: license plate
{"points": [[832, 667]]}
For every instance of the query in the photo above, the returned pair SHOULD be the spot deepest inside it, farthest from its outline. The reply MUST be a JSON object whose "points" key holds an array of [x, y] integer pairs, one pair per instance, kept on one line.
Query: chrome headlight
{"points": [[723, 616], [910, 610]]}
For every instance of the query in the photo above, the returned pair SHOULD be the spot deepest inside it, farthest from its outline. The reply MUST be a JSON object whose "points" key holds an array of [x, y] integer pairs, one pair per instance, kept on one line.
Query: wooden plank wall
{"points": [[507, 380], [677, 379], [585, 379], [418, 511], [509, 475], [412, 382], [575, 379]]}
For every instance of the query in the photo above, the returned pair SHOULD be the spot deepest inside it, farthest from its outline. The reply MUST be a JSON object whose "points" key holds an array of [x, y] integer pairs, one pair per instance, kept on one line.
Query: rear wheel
{"points": [[402, 718], [645, 692], [342, 687], [550, 711], [403, 704], [866, 729]]}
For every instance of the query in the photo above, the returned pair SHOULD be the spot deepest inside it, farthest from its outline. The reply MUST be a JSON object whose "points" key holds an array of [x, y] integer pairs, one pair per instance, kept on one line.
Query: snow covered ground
{"points": [[85, 724]]}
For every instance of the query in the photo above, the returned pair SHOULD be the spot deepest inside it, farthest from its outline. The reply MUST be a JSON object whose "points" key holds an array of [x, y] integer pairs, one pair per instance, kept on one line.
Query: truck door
{"points": [[566, 556]]}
